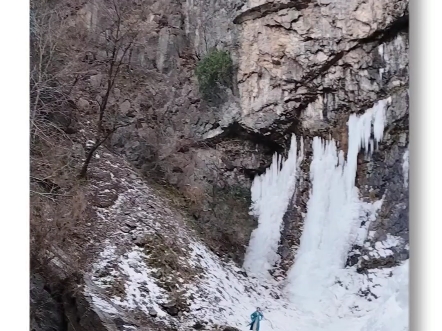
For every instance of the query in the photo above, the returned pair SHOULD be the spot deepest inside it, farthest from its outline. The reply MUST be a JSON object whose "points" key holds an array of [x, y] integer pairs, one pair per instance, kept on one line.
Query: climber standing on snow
{"points": [[256, 318]]}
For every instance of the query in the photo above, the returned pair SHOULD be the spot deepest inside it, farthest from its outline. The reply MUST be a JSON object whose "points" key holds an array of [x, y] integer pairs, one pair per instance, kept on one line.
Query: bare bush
{"points": [[54, 222], [49, 95]]}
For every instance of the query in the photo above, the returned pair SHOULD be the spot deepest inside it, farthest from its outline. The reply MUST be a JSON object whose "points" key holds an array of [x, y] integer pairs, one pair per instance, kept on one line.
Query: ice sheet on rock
{"points": [[381, 50], [392, 54], [363, 128], [368, 213]]}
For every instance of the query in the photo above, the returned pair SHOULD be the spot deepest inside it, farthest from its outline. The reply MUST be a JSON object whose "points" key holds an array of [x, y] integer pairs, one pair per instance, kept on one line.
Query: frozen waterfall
{"points": [[271, 193], [319, 282], [334, 211]]}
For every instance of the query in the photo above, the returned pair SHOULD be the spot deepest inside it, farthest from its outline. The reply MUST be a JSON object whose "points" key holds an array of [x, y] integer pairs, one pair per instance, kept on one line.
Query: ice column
{"points": [[271, 193], [334, 211]]}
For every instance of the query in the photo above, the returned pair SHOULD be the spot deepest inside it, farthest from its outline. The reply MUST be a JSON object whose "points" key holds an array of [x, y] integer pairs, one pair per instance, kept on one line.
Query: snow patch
{"points": [[141, 290], [223, 294], [103, 305], [392, 313], [381, 50]]}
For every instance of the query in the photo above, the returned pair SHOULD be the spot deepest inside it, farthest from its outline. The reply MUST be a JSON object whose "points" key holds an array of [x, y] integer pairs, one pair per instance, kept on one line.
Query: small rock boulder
{"points": [[83, 104], [140, 241], [198, 326], [170, 308], [96, 80], [229, 328]]}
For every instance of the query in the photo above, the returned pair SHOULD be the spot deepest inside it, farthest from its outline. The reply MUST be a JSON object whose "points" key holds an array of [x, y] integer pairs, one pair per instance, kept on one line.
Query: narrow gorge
{"points": [[248, 153]]}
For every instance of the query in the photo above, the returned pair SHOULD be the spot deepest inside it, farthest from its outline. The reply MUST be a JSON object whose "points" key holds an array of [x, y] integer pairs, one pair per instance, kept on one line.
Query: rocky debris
{"points": [[375, 255], [229, 328], [126, 229], [243, 273], [123, 325], [198, 326], [130, 225], [377, 263], [153, 312], [140, 240], [368, 294], [170, 308], [354, 256], [275, 295], [65, 119], [83, 104]]}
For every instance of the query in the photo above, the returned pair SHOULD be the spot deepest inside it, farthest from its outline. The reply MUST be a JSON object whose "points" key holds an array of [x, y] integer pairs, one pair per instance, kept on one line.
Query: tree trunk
{"points": [[85, 166]]}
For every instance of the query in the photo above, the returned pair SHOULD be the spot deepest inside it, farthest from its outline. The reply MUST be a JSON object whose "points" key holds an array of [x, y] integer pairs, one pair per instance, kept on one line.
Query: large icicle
{"points": [[271, 193], [405, 167], [334, 211]]}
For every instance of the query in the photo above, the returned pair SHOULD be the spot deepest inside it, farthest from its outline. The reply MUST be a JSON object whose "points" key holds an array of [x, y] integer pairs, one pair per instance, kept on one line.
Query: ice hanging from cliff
{"points": [[271, 193], [334, 212], [405, 167]]}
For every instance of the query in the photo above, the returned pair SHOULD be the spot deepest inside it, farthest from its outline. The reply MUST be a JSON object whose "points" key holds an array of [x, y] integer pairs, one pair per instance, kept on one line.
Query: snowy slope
{"points": [[153, 263]]}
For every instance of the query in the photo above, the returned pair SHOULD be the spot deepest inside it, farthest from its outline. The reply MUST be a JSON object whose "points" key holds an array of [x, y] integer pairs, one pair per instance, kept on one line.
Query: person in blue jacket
{"points": [[256, 318]]}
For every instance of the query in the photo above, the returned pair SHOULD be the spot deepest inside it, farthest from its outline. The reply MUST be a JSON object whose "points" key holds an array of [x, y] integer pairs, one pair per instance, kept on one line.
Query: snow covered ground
{"points": [[319, 293]]}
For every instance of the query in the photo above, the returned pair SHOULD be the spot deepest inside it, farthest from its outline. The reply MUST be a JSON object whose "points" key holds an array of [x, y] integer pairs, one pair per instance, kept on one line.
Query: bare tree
{"points": [[120, 34]]}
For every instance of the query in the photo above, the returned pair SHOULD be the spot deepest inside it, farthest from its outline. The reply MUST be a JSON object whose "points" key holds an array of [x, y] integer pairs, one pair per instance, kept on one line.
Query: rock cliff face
{"points": [[304, 66], [301, 67]]}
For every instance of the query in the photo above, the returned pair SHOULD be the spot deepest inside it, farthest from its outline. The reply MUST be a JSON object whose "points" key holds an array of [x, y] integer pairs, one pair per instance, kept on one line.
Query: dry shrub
{"points": [[196, 196], [79, 205], [57, 201], [49, 89], [54, 223]]}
